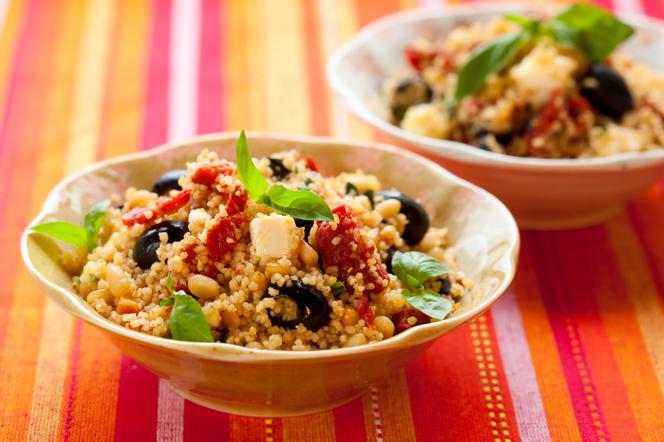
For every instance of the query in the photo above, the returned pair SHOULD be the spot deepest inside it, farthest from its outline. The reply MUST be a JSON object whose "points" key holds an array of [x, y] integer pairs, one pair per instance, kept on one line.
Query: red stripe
{"points": [[446, 392], [211, 81], [155, 131], [349, 421], [201, 423], [641, 213], [19, 142], [577, 253], [654, 8], [566, 333], [136, 414]]}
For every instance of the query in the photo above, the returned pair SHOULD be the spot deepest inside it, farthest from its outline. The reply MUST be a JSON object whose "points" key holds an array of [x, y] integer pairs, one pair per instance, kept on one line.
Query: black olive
{"points": [[145, 251], [306, 224], [483, 135], [445, 285], [606, 91], [418, 220], [168, 181], [390, 254], [279, 171], [409, 91], [312, 309]]}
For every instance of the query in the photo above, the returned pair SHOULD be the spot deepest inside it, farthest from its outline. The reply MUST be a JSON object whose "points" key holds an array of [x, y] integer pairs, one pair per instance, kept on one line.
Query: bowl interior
{"points": [[480, 227], [357, 70]]}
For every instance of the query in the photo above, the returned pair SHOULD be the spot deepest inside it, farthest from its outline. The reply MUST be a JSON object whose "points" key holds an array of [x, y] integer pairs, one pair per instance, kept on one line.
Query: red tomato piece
{"points": [[175, 203], [138, 215], [237, 201], [207, 174], [352, 250], [311, 164], [223, 236], [141, 215], [419, 58], [366, 312], [401, 320]]}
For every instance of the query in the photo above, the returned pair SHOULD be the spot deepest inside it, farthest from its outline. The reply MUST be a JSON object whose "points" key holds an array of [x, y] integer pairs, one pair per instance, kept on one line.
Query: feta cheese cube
{"points": [[274, 236]]}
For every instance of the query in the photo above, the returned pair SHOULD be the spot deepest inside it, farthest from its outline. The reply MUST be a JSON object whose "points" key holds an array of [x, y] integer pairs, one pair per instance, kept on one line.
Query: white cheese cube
{"points": [[274, 236]]}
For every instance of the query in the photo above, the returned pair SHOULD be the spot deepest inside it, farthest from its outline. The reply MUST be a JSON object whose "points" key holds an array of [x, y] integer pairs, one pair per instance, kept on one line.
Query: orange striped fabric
{"points": [[573, 351]]}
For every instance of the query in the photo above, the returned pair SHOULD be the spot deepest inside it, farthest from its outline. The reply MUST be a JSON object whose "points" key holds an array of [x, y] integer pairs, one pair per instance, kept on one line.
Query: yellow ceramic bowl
{"points": [[281, 383]]}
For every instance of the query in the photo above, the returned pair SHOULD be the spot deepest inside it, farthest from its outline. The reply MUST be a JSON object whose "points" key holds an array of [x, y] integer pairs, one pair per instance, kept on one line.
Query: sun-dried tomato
{"points": [[542, 123], [311, 164], [419, 58], [141, 215], [237, 201], [207, 174], [400, 320], [351, 252], [365, 311], [223, 236]]}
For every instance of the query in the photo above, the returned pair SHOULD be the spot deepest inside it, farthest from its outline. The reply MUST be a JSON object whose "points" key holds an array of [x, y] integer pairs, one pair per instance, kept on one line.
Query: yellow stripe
{"points": [[641, 290], [91, 81], [287, 96], [256, 66], [237, 32], [316, 427], [348, 26], [394, 404], [52, 362], [8, 41], [124, 117]]}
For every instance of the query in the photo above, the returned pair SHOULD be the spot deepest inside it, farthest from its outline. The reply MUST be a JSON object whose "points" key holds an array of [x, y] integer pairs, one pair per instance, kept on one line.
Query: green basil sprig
{"points": [[300, 204], [413, 269], [74, 234], [186, 321], [585, 27]]}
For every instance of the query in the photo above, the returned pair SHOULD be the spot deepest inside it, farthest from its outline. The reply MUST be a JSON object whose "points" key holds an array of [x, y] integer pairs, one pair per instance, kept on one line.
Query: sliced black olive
{"points": [[311, 307], [390, 254], [418, 220], [485, 137], [445, 285], [606, 91], [409, 91], [279, 171], [168, 181], [306, 224], [145, 251]]}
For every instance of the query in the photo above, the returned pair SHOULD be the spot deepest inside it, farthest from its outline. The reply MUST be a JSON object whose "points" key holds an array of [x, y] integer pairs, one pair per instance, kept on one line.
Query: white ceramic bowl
{"points": [[281, 383], [542, 193]]}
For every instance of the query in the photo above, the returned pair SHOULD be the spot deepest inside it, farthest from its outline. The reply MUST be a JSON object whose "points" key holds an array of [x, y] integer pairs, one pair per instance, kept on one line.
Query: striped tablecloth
{"points": [[574, 350]]}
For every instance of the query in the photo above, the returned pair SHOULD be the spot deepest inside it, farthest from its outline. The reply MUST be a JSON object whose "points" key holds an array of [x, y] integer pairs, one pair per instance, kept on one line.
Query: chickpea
{"points": [[308, 255], [273, 268], [203, 286], [355, 340], [350, 317], [98, 294], [118, 281], [231, 319], [388, 208], [385, 326]]}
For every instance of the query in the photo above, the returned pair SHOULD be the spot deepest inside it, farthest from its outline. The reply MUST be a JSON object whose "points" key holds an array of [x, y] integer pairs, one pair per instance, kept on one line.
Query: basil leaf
{"points": [[166, 302], [252, 179], [186, 321], [64, 231], [413, 268], [300, 204], [486, 60], [351, 189], [429, 303], [526, 23], [94, 220], [590, 29], [338, 288]]}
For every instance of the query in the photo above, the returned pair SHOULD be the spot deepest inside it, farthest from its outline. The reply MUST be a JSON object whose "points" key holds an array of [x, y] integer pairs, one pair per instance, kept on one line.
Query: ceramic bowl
{"points": [[542, 193], [282, 383]]}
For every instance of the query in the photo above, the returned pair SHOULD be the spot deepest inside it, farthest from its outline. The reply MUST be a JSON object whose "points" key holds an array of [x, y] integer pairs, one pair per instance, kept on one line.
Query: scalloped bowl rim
{"points": [[462, 151], [221, 351]]}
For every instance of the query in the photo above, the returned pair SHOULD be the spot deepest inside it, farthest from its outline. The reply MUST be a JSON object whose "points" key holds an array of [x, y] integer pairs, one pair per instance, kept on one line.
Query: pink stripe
{"points": [[565, 331], [212, 81], [156, 100], [136, 414], [607, 4], [519, 369], [653, 8], [201, 423], [74, 379]]}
